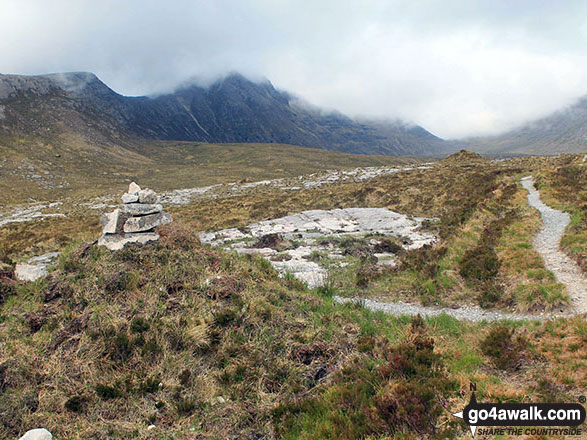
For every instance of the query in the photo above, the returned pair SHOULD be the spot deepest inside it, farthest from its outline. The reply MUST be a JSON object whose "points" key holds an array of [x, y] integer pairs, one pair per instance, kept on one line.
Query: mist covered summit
{"points": [[231, 109]]}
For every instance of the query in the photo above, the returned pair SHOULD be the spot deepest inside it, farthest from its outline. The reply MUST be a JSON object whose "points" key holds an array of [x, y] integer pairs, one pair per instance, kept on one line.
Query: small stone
{"points": [[148, 196], [133, 188], [44, 259], [37, 434], [147, 222], [130, 198], [112, 222], [115, 242], [150, 427], [29, 272], [140, 208]]}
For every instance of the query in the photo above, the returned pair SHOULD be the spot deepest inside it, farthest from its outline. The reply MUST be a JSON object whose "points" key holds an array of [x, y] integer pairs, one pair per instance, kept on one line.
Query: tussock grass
{"points": [[208, 343]]}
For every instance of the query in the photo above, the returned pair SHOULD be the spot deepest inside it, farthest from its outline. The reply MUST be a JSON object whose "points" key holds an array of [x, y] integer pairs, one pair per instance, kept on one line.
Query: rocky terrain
{"points": [[39, 210], [292, 307], [291, 242]]}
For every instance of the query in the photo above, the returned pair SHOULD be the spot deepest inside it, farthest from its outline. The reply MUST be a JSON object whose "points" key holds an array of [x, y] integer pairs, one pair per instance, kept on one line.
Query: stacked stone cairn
{"points": [[135, 220]]}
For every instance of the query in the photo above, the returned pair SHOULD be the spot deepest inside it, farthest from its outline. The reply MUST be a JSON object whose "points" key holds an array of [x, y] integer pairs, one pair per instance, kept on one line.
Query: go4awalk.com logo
{"points": [[547, 419]]}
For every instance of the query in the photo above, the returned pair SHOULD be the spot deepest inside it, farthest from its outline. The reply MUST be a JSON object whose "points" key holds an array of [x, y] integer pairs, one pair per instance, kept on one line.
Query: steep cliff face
{"points": [[233, 109]]}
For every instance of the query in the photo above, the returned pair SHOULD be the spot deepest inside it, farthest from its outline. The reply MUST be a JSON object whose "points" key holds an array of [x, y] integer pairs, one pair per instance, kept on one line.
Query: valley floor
{"points": [[204, 342]]}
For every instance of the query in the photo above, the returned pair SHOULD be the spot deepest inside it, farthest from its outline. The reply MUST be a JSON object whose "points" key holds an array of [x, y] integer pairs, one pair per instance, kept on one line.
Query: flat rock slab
{"points": [[115, 242], [148, 196], [130, 198], [309, 272], [147, 222], [35, 268], [308, 227], [140, 208], [31, 213], [113, 222], [338, 222]]}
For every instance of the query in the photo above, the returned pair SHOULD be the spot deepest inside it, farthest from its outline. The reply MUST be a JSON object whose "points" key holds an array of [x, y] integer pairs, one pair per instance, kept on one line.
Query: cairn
{"points": [[135, 220]]}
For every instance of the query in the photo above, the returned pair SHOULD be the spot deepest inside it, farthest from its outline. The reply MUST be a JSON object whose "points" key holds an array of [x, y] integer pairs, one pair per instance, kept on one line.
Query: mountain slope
{"points": [[232, 109], [564, 131]]}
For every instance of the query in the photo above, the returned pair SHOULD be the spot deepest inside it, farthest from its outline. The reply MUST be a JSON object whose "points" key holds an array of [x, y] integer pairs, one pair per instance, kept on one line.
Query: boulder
{"points": [[147, 222], [29, 272], [148, 196], [130, 198], [140, 209], [35, 268], [37, 434], [133, 188], [115, 242], [113, 222]]}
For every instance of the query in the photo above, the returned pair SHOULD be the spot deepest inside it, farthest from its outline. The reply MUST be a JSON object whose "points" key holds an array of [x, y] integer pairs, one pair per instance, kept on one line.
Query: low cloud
{"points": [[456, 68]]}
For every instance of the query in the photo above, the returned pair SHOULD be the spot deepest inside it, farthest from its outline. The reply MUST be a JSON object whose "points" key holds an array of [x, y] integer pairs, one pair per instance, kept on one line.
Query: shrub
{"points": [[384, 391], [185, 407], [425, 260], [366, 273], [139, 325], [505, 351], [178, 236], [76, 404], [149, 385], [225, 317], [106, 392], [121, 347], [480, 263], [490, 294]]}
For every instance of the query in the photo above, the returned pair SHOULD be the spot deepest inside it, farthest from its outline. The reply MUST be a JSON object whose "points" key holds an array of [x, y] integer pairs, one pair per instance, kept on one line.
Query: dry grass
{"points": [[240, 352], [30, 169]]}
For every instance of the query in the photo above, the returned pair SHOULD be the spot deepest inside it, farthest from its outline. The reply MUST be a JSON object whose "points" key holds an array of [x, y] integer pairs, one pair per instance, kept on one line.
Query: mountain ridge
{"points": [[562, 131], [232, 109]]}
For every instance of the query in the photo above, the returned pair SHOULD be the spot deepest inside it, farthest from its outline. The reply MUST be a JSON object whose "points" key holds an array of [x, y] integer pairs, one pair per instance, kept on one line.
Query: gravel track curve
{"points": [[546, 242]]}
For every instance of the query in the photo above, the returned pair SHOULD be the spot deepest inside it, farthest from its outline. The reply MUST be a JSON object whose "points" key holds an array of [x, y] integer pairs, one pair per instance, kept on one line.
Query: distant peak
{"points": [[234, 79], [240, 80]]}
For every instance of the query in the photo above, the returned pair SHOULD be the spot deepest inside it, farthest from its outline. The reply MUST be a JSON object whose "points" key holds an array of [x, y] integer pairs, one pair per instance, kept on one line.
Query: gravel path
{"points": [[463, 313], [547, 243]]}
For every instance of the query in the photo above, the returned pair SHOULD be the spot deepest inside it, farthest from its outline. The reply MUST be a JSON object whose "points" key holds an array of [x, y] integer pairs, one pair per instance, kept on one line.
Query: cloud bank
{"points": [[458, 68]]}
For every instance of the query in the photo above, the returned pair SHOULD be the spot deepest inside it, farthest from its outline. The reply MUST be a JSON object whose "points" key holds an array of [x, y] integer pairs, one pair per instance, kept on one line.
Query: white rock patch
{"points": [[37, 434], [35, 268], [308, 226]]}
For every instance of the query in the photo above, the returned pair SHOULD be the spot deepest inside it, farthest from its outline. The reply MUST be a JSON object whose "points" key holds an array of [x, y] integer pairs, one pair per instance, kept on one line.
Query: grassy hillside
{"points": [[54, 168], [206, 344]]}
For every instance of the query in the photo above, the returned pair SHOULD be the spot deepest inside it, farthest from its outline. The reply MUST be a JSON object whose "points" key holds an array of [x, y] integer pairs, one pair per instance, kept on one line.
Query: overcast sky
{"points": [[458, 68]]}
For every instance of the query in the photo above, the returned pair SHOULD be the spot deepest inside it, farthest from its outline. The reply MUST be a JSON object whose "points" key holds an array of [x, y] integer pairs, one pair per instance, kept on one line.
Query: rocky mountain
{"points": [[233, 109], [564, 131]]}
